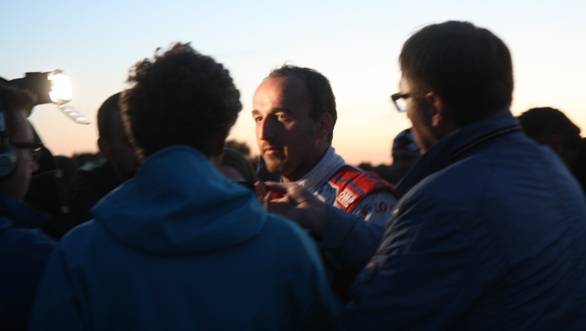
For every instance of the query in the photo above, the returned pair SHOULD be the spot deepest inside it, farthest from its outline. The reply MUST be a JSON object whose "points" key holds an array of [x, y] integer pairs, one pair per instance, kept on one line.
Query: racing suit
{"points": [[351, 190]]}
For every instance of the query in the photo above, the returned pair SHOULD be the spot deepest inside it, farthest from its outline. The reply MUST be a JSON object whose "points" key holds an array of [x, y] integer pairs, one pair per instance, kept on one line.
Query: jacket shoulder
{"points": [[28, 244]]}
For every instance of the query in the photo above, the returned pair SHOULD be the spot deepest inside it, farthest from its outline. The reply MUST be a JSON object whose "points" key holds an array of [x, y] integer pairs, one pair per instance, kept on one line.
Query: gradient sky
{"points": [[354, 43]]}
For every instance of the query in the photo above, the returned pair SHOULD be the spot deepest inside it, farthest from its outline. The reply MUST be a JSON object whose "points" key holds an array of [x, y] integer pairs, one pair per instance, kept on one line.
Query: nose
{"points": [[267, 129]]}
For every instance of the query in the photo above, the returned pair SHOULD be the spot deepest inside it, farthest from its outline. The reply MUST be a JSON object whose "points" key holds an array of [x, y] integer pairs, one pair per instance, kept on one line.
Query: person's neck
{"points": [[306, 167]]}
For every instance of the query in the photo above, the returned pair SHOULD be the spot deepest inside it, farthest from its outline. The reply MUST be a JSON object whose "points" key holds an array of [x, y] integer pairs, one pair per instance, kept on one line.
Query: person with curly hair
{"points": [[180, 246]]}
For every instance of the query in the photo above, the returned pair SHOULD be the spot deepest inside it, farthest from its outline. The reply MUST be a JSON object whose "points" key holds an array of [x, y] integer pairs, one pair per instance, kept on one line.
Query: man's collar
{"points": [[458, 144], [322, 171]]}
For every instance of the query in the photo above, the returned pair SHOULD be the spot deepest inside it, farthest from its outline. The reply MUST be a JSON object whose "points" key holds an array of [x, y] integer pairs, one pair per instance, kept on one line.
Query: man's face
{"points": [[25, 161], [287, 137], [419, 113]]}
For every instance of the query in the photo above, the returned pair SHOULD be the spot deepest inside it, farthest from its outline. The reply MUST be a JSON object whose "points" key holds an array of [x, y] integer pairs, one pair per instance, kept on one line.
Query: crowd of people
{"points": [[478, 224]]}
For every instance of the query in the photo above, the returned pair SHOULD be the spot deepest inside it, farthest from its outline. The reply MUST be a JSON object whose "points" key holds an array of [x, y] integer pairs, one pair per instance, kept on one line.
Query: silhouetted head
{"points": [[551, 127], [453, 74], [180, 97], [235, 166], [113, 141], [404, 146]]}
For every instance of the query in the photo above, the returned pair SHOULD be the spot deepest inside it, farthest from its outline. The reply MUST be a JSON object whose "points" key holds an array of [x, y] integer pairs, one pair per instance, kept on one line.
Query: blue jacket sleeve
{"points": [[316, 306], [433, 262], [349, 241], [56, 306], [23, 255]]}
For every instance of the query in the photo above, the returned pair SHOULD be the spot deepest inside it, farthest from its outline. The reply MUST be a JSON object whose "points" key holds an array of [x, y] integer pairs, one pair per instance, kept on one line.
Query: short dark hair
{"points": [[13, 99], [542, 122], [468, 66], [318, 88], [105, 116], [181, 97]]}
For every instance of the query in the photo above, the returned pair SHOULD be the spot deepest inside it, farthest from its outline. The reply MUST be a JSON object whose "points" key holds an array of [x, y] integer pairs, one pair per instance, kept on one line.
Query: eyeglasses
{"points": [[399, 100], [35, 148]]}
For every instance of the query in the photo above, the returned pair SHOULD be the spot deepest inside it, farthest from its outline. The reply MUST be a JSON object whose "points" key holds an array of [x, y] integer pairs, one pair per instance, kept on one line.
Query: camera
{"points": [[47, 87]]}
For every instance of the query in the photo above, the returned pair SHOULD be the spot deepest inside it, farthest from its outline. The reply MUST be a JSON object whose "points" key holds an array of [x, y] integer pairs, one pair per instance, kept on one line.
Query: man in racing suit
{"points": [[295, 113]]}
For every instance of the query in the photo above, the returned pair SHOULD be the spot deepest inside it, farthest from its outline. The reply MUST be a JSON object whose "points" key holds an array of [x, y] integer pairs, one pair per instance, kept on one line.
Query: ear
{"points": [[438, 109], [325, 126]]}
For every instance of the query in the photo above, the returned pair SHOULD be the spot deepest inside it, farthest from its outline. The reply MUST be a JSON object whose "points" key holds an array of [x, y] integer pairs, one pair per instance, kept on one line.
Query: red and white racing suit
{"points": [[350, 189], [347, 249]]}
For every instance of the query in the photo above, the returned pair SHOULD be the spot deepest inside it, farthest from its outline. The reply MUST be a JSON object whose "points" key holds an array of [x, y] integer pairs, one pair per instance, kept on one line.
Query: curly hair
{"points": [[181, 97]]}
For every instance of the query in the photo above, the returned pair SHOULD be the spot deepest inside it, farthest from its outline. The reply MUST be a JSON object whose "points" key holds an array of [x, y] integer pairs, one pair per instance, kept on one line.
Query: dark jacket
{"points": [[489, 235], [87, 188], [180, 247], [23, 253]]}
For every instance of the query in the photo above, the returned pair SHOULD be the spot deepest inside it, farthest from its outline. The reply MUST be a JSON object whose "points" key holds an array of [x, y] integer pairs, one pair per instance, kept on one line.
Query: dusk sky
{"points": [[353, 43]]}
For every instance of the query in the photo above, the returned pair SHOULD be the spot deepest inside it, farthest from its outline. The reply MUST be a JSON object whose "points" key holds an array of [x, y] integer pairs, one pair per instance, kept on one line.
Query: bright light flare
{"points": [[61, 91]]}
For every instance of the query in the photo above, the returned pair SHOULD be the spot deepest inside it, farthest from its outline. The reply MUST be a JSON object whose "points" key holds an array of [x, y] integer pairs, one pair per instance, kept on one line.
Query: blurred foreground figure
{"points": [[235, 166], [89, 186], [490, 232], [23, 248], [551, 127], [179, 246]]}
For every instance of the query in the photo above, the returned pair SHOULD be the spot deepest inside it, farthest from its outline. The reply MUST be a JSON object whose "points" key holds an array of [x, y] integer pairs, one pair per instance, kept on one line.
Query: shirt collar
{"points": [[322, 171]]}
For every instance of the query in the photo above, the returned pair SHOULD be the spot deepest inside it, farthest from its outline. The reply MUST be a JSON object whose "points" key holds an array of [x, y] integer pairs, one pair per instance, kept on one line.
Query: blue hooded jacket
{"points": [[180, 247], [24, 250]]}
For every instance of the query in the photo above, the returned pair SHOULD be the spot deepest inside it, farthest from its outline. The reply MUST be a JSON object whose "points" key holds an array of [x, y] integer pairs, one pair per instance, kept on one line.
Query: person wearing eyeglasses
{"points": [[294, 109], [24, 249], [490, 230]]}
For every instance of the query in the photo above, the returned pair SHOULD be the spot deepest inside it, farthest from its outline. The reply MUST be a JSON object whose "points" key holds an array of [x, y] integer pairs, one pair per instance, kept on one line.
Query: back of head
{"points": [[468, 66], [181, 97], [113, 142], [235, 160], [106, 113], [551, 127], [404, 146], [539, 123], [318, 88]]}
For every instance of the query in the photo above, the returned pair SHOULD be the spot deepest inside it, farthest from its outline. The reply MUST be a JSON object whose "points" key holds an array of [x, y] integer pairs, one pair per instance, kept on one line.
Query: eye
{"points": [[283, 117], [257, 118]]}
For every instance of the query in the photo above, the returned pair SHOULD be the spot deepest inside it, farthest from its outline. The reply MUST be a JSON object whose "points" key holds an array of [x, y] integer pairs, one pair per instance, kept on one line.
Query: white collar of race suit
{"points": [[322, 171]]}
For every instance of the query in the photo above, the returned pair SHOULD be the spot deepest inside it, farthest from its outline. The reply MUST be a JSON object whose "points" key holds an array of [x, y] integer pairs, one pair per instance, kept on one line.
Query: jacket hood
{"points": [[178, 203]]}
